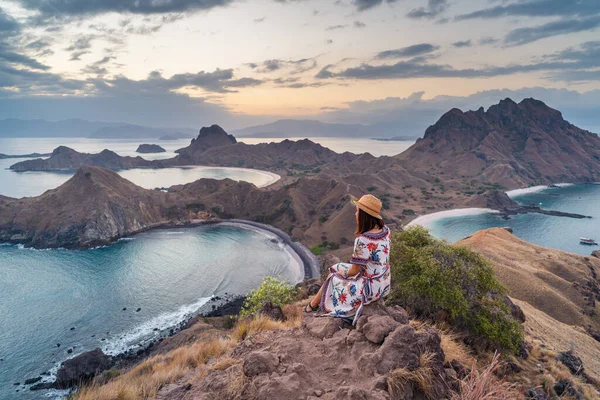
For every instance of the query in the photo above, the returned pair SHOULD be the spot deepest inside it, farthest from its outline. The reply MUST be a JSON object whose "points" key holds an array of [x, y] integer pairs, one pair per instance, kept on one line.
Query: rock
{"points": [[508, 368], [82, 368], [69, 351], [138, 310], [322, 327], [57, 344], [536, 394], [515, 310], [461, 370], [43, 386], [272, 311], [596, 253], [309, 287], [124, 308], [150, 148], [260, 362], [524, 349], [31, 381], [571, 361], [378, 327], [72, 328]]}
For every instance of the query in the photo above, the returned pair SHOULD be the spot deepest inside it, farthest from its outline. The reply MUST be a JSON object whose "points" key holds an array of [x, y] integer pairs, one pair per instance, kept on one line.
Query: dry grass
{"points": [[422, 377], [483, 385], [146, 379], [259, 323], [224, 363], [455, 349]]}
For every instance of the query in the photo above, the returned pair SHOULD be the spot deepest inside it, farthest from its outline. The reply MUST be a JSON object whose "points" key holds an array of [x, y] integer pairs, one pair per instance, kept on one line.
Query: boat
{"points": [[588, 241]]}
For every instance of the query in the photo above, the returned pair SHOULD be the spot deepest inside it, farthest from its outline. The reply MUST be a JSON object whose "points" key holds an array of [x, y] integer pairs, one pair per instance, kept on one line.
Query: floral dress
{"points": [[344, 296]]}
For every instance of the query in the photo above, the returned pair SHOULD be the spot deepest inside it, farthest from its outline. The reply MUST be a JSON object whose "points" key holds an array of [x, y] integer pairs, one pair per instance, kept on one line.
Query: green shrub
{"points": [[324, 246], [271, 290], [433, 278], [371, 188]]}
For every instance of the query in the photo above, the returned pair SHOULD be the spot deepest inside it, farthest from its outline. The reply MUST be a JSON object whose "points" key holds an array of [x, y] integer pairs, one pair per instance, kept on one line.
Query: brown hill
{"points": [[94, 207], [562, 285], [213, 136], [510, 144], [65, 158]]}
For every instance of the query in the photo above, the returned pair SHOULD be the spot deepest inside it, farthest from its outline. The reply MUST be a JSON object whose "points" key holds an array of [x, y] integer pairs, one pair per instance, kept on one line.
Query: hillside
{"points": [[94, 207], [289, 128], [510, 144], [563, 285], [65, 158]]}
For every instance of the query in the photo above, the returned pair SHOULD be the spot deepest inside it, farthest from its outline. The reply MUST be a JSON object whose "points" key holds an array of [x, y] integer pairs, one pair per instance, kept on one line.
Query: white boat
{"points": [[587, 241]]}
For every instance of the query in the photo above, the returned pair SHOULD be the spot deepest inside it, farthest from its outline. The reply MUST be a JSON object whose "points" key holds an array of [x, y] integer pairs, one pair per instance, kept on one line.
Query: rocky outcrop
{"points": [[213, 136], [329, 359], [82, 368], [150, 148], [64, 159], [513, 145]]}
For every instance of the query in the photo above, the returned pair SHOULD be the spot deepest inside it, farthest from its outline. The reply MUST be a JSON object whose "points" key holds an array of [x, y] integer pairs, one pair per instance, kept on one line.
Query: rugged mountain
{"points": [[510, 144], [94, 207], [213, 136], [150, 148], [65, 158]]}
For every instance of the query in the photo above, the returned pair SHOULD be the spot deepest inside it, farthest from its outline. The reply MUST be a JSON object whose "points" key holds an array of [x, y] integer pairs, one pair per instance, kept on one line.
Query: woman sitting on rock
{"points": [[366, 278]]}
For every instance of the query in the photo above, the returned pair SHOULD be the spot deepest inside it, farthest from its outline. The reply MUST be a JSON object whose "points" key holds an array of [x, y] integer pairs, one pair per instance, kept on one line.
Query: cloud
{"points": [[433, 9], [358, 24], [395, 116], [464, 43], [335, 27], [9, 55], [74, 8], [8, 25], [293, 66], [410, 51], [487, 40], [362, 5], [537, 8], [522, 36], [80, 46], [259, 20]]}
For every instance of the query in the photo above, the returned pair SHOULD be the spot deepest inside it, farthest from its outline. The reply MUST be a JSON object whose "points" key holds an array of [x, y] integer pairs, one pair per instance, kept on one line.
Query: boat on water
{"points": [[588, 241]]}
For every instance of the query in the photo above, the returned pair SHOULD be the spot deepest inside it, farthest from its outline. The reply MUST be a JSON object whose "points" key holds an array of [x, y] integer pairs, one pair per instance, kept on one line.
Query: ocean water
{"points": [[544, 230], [26, 184], [167, 273]]}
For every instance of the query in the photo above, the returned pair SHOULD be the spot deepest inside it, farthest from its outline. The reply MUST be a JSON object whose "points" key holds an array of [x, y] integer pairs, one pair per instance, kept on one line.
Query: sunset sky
{"points": [[239, 62]]}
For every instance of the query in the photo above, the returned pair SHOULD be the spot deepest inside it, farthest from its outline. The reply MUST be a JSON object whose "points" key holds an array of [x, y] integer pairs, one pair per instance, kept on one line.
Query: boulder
{"points": [[378, 327], [571, 361], [272, 311], [596, 253], [82, 368], [321, 327], [309, 287], [516, 311], [259, 362]]}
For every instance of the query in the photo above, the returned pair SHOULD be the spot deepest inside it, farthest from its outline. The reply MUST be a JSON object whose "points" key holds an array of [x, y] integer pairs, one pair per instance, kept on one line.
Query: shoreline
{"points": [[426, 219], [535, 189]]}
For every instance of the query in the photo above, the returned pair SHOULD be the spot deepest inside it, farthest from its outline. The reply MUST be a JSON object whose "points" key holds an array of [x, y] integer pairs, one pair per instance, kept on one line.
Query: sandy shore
{"points": [[534, 189], [425, 220], [272, 176]]}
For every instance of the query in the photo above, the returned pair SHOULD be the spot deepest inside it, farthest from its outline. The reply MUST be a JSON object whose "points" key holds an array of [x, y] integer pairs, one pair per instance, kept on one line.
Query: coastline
{"points": [[274, 177], [535, 189], [426, 219]]}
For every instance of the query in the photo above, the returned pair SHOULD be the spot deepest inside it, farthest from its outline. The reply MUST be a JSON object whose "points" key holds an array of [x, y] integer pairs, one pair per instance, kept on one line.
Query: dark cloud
{"points": [[538, 8], [8, 25], [487, 40], [97, 68], [522, 36], [73, 8], [410, 51], [9, 55], [433, 9], [362, 5], [359, 24], [80, 46], [463, 43], [39, 44]]}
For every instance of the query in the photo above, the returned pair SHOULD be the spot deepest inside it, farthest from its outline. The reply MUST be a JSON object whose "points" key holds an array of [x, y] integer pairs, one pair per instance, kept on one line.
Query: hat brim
{"points": [[356, 202]]}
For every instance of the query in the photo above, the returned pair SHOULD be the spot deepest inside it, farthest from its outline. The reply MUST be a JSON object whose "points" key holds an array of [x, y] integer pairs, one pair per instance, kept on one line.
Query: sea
{"points": [[121, 296], [550, 231]]}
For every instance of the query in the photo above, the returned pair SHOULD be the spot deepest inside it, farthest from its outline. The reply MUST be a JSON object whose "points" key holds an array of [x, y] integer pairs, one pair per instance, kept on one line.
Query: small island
{"points": [[175, 136], [150, 148]]}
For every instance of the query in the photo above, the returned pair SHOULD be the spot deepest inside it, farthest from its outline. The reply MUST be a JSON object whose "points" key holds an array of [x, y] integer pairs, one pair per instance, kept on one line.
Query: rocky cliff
{"points": [[514, 145], [64, 158]]}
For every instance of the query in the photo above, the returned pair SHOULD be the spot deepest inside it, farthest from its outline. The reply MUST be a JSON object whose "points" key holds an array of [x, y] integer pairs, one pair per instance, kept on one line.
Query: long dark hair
{"points": [[366, 222]]}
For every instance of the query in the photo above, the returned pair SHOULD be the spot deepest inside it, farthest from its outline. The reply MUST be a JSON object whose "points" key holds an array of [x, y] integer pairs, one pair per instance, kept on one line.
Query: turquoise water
{"points": [[26, 184], [544, 230], [166, 273]]}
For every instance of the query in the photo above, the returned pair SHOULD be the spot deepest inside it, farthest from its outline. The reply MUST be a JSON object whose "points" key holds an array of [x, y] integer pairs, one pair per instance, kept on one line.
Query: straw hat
{"points": [[369, 204]]}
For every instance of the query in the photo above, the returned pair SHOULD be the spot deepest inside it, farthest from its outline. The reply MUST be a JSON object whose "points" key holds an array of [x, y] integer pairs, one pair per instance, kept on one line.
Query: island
{"points": [[31, 155], [150, 148]]}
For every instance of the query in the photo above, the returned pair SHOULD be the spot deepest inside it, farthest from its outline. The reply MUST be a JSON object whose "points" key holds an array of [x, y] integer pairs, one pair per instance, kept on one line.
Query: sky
{"points": [[185, 63]]}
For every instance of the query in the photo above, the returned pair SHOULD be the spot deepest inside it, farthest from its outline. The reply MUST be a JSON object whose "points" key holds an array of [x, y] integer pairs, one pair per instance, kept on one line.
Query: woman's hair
{"points": [[367, 222]]}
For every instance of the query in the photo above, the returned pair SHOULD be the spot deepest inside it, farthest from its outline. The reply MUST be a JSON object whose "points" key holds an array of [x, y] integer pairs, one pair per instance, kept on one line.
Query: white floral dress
{"points": [[344, 296]]}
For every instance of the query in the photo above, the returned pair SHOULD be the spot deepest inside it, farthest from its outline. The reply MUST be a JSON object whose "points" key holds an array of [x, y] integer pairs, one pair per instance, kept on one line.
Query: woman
{"points": [[366, 278]]}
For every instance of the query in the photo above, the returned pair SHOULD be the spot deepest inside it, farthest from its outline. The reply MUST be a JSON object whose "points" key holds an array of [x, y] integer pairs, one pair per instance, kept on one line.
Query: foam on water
{"points": [[142, 334], [534, 189]]}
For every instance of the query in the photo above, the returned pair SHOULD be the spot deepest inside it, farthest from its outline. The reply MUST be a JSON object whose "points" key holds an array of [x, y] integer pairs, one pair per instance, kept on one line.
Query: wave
{"points": [[151, 329], [425, 220], [534, 189]]}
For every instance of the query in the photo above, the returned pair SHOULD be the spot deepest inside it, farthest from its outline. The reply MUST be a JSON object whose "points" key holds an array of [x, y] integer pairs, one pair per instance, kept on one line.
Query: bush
{"points": [[432, 278], [271, 290]]}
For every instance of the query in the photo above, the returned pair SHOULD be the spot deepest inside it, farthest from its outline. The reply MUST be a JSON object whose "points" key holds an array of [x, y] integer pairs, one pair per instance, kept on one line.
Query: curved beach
{"points": [[427, 219]]}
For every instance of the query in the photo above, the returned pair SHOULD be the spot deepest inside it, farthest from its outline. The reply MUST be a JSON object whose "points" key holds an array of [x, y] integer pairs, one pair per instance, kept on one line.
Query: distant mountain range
{"points": [[289, 128], [83, 128]]}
